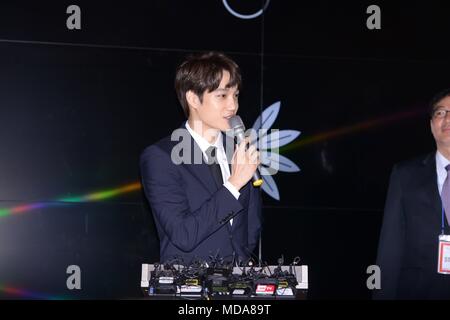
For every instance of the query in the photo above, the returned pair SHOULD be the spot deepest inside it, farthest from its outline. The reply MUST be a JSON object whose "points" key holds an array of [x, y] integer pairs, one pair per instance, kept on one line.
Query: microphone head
{"points": [[236, 123]]}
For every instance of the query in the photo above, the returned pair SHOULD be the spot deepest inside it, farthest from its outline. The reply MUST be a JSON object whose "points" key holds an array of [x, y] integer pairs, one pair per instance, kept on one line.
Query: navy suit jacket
{"points": [[408, 247], [192, 213]]}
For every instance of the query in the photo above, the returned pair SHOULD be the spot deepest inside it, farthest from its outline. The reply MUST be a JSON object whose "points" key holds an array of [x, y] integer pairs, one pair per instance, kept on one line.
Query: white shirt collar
{"points": [[441, 162], [221, 157], [202, 142]]}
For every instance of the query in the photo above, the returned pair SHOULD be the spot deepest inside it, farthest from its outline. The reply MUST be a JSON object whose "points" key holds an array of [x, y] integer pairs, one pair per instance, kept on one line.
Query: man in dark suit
{"points": [[200, 195], [414, 218]]}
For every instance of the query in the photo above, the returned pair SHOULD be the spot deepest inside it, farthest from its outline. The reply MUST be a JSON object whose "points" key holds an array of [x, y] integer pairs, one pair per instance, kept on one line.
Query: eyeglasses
{"points": [[440, 113]]}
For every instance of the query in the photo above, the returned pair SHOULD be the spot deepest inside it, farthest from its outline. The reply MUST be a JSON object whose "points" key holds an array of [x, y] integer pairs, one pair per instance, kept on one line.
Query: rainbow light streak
{"points": [[95, 196], [24, 208], [102, 195], [11, 291], [351, 129], [106, 194]]}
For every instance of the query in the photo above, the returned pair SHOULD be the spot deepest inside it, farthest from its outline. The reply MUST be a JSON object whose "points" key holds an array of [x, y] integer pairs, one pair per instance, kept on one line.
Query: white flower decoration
{"points": [[271, 160]]}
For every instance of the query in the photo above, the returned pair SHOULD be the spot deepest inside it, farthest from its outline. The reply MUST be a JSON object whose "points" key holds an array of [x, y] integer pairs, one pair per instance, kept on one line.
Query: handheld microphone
{"points": [[238, 128]]}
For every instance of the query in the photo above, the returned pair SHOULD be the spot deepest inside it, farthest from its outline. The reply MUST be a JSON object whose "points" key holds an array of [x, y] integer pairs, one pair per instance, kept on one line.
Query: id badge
{"points": [[444, 254]]}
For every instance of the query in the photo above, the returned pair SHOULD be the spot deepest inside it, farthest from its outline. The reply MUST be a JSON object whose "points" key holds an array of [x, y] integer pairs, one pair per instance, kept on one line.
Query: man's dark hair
{"points": [[438, 97], [202, 73]]}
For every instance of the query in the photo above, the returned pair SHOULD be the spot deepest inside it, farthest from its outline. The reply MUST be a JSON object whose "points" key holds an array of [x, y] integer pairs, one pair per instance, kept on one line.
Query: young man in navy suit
{"points": [[200, 195], [413, 253]]}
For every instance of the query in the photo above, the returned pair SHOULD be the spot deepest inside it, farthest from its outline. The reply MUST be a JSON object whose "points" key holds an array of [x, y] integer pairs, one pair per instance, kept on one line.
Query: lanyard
{"points": [[442, 222]]}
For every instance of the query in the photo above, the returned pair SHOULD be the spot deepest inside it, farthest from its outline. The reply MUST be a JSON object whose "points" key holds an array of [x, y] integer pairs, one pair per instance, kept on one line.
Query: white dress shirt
{"points": [[441, 163], [221, 158]]}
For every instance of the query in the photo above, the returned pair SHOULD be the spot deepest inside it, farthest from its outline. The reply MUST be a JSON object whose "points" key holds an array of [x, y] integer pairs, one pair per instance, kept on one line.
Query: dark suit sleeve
{"points": [[163, 188], [392, 239], [254, 218]]}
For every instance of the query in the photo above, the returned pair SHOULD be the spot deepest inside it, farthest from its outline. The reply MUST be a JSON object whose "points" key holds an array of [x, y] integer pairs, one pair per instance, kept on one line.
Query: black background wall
{"points": [[78, 106]]}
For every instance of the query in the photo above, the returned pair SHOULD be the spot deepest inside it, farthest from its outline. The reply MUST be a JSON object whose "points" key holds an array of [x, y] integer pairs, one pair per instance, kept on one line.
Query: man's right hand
{"points": [[243, 164]]}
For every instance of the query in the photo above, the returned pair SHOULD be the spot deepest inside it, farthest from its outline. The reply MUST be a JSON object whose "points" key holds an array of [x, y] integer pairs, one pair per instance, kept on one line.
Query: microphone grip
{"points": [[257, 181]]}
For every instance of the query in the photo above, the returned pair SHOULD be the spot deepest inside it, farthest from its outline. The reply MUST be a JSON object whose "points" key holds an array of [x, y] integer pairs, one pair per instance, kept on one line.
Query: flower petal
{"points": [[277, 139], [269, 186], [267, 117], [278, 162]]}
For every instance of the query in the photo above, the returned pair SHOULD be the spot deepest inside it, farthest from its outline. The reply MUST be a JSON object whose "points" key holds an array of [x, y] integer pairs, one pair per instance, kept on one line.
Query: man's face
{"points": [[440, 125], [218, 106]]}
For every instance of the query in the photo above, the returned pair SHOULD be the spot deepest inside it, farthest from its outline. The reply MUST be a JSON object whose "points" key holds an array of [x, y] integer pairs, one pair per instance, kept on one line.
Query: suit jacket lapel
{"points": [[429, 188], [228, 145], [197, 166]]}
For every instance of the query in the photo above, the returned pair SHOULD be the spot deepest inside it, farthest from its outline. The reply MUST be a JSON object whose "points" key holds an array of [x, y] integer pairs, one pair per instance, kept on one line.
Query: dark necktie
{"points": [[446, 194], [214, 166]]}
